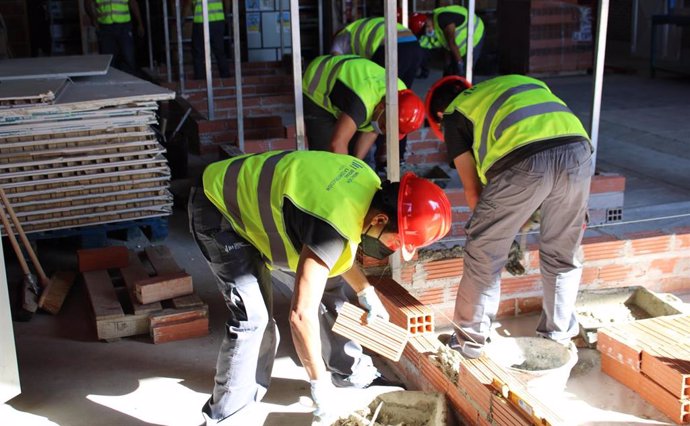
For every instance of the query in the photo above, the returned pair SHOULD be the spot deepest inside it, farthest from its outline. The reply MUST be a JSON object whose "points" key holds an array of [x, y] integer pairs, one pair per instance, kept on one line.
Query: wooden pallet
{"points": [[118, 313]]}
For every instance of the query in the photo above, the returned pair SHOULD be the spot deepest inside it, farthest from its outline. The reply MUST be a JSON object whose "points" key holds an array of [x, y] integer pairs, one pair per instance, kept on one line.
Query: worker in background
{"points": [[344, 97], [446, 28], [306, 212], [365, 37], [516, 146], [216, 29], [113, 22]]}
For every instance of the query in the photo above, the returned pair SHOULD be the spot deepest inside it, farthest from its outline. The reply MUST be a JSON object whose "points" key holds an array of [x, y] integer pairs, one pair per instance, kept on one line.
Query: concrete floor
{"points": [[68, 378]]}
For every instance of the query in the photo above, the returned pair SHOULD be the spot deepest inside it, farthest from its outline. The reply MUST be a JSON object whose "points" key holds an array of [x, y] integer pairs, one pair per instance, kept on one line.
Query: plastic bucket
{"points": [[542, 364]]}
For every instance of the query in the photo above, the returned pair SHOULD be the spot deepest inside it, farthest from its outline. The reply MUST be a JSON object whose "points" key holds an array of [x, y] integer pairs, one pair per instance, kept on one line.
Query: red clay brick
{"points": [[682, 240], [102, 258], [602, 247], [649, 242], [523, 284], [528, 305], [423, 145], [278, 144], [615, 273], [589, 275], [432, 296], [673, 285], [456, 196], [665, 266], [602, 184], [507, 308], [437, 157]]}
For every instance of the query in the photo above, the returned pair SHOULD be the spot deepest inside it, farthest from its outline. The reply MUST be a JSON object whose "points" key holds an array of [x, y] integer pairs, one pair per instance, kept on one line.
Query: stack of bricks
{"points": [[471, 394], [652, 357], [405, 311], [659, 261], [129, 297]]}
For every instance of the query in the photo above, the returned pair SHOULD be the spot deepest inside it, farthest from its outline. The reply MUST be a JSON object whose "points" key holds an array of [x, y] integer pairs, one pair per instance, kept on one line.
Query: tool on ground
{"points": [[179, 125], [519, 402], [470, 347], [30, 288], [44, 281], [372, 422]]}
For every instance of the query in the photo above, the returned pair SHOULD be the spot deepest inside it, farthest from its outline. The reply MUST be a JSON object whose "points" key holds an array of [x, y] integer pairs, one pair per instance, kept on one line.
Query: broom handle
{"points": [[13, 241], [41, 274]]}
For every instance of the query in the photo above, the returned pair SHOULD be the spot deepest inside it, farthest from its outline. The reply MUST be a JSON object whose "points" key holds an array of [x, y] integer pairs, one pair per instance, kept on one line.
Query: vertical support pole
{"points": [[180, 49], [600, 55], [635, 23], [238, 73], [207, 62], [469, 57], [392, 141], [320, 2], [148, 33], [166, 31], [404, 12], [297, 73], [280, 28]]}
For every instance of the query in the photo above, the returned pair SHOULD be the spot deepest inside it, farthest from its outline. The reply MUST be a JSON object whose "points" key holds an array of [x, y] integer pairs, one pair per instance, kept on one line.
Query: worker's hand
{"points": [[369, 300], [514, 264], [325, 403]]}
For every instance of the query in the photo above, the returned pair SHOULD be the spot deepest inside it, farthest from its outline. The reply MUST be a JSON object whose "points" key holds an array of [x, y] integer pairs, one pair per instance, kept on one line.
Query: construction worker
{"points": [[113, 22], [305, 212], [446, 28], [365, 37], [344, 95], [516, 146], [216, 29]]}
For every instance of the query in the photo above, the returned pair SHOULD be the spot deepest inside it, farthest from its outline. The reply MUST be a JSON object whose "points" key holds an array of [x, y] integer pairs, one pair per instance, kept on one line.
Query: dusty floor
{"points": [[70, 379]]}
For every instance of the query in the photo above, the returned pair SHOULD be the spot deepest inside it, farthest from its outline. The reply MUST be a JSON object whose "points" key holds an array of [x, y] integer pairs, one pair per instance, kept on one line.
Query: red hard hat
{"points": [[424, 214], [441, 84], [410, 112], [417, 22]]}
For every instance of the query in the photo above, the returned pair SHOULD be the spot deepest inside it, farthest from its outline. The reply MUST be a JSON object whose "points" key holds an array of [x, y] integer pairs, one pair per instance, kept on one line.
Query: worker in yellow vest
{"points": [[344, 104], [113, 22], [306, 212], [446, 28], [516, 146], [216, 29]]}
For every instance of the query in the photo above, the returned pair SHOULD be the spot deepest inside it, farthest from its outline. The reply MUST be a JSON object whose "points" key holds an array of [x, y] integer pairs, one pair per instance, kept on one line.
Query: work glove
{"points": [[325, 403], [369, 300], [514, 264]]}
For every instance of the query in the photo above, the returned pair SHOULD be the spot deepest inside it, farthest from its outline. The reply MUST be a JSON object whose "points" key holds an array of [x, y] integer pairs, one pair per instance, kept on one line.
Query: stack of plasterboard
{"points": [[77, 151]]}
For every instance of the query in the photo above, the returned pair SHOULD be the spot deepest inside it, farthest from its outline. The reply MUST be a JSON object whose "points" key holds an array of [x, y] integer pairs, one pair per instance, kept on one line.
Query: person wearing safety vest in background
{"points": [[216, 30], [345, 95], [306, 212], [516, 147], [446, 28], [365, 37], [113, 22]]}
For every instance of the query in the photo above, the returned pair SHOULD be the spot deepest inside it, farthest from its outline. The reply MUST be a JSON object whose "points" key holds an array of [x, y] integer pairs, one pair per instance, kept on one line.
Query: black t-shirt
{"points": [[458, 132], [305, 229], [347, 101], [447, 18]]}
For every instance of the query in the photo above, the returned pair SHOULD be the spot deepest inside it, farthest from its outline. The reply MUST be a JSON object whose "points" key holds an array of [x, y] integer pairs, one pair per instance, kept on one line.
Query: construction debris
{"points": [[448, 361], [400, 408]]}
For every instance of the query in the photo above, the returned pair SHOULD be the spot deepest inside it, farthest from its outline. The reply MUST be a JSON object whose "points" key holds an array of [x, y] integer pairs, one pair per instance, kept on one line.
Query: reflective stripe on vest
{"points": [[215, 11], [512, 111], [461, 31], [330, 77], [112, 11], [336, 189], [369, 33]]}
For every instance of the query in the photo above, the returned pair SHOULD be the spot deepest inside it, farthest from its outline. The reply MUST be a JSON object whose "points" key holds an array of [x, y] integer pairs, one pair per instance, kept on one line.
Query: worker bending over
{"points": [[305, 212], [516, 146], [446, 28], [344, 95]]}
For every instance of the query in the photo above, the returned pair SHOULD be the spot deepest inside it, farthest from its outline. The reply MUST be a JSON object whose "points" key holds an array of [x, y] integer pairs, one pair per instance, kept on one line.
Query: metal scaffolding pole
{"points": [[469, 57], [391, 46], [166, 34], [238, 73], [148, 34], [404, 12], [320, 4], [602, 26], [297, 73], [180, 50], [207, 61]]}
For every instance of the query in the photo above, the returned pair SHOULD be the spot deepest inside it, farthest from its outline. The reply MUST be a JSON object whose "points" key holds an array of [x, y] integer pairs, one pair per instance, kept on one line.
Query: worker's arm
{"points": [[467, 170], [449, 32], [134, 9], [345, 129], [363, 144], [310, 282], [366, 295]]}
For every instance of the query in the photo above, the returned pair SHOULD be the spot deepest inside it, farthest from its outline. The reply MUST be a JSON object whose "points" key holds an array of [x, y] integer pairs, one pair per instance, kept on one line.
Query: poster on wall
{"points": [[252, 4], [253, 22], [267, 4]]}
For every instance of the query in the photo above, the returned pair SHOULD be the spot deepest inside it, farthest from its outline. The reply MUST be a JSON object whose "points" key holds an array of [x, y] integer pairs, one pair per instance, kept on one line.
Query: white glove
{"points": [[322, 393], [369, 300]]}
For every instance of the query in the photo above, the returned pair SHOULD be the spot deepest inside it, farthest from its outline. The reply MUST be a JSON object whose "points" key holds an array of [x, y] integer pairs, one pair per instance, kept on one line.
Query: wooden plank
{"points": [[162, 260], [134, 272], [163, 287], [102, 258], [104, 301], [383, 337], [180, 331], [189, 301], [53, 296], [170, 316], [113, 329]]}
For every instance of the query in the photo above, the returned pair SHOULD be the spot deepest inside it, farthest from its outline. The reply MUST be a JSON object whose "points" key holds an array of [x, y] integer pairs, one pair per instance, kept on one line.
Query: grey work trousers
{"points": [[246, 356], [558, 180]]}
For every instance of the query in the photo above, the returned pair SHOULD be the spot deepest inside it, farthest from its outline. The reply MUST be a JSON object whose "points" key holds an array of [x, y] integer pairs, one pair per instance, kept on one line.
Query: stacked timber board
{"points": [[652, 357], [82, 151], [141, 293]]}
